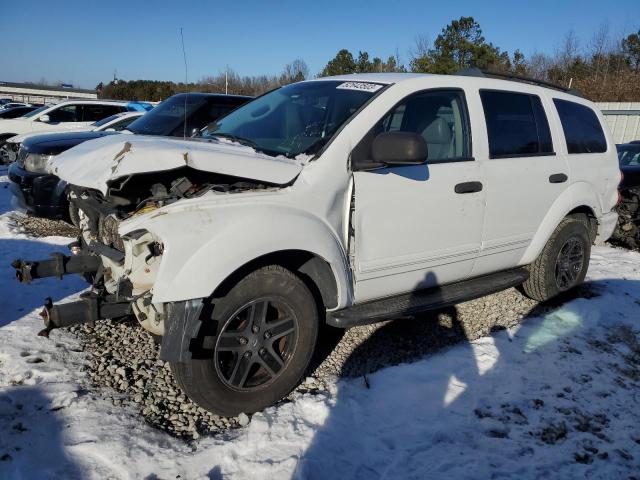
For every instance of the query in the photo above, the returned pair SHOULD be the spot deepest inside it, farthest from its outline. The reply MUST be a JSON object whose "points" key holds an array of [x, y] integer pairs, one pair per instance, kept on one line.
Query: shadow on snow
{"points": [[414, 422]]}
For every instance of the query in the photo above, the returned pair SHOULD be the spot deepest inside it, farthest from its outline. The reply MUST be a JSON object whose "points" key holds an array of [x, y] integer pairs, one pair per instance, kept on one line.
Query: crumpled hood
{"points": [[95, 163]]}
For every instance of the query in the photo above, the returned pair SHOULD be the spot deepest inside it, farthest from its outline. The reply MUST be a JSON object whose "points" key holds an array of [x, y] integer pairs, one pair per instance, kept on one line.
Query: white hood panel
{"points": [[95, 163]]}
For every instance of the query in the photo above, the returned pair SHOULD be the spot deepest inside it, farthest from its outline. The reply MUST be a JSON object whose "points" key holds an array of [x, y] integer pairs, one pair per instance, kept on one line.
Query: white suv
{"points": [[346, 200], [62, 116]]}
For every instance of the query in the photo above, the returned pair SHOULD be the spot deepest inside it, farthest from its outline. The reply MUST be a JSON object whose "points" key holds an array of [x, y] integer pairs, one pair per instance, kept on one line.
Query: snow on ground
{"points": [[558, 397]]}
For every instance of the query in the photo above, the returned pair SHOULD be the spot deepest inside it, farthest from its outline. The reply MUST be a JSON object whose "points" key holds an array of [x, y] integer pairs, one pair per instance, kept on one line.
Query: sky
{"points": [[84, 42]]}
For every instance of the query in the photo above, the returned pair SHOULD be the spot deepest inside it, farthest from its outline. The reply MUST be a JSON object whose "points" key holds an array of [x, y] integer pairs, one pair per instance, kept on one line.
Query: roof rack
{"points": [[476, 72]]}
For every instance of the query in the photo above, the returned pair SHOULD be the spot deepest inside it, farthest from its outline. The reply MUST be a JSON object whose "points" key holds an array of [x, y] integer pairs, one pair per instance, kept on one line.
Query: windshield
{"points": [[35, 112], [629, 155], [296, 119], [99, 123], [167, 119]]}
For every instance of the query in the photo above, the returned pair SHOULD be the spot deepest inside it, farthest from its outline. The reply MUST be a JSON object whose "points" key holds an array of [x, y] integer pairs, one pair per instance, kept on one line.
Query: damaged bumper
{"points": [[90, 308], [57, 266]]}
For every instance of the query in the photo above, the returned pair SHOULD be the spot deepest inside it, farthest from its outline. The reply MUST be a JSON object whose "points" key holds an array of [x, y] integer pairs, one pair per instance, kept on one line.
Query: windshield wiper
{"points": [[240, 140]]}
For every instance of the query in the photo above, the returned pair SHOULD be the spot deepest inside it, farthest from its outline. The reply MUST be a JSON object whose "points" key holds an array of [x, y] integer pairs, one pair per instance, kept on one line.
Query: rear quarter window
{"points": [[582, 129]]}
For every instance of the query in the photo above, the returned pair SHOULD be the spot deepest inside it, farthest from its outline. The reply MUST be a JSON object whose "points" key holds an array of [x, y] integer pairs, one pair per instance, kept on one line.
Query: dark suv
{"points": [[43, 194]]}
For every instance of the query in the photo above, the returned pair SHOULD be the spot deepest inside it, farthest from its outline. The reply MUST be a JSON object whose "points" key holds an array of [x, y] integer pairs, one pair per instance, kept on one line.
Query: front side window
{"points": [[66, 113], [296, 119], [581, 127], [516, 124], [439, 116]]}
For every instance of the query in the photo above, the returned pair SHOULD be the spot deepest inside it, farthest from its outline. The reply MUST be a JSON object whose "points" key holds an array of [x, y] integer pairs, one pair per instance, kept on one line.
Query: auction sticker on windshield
{"points": [[361, 86]]}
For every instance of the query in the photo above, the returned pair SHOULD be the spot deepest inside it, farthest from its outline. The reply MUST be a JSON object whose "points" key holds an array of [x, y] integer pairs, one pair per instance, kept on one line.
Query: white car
{"points": [[62, 116], [347, 200], [13, 105], [116, 122]]}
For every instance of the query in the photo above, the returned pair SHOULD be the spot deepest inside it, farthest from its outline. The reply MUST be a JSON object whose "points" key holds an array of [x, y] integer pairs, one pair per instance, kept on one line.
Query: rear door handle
{"points": [[468, 187], [558, 178]]}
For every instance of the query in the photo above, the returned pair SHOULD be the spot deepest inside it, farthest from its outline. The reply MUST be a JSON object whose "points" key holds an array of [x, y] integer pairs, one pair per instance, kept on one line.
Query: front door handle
{"points": [[468, 187], [558, 178]]}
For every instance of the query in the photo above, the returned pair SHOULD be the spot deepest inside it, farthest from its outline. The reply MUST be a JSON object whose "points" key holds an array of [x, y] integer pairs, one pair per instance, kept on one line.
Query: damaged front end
{"points": [[122, 268]]}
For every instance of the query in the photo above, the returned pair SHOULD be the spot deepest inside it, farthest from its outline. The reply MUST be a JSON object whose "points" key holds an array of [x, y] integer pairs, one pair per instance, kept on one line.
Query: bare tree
{"points": [[295, 71]]}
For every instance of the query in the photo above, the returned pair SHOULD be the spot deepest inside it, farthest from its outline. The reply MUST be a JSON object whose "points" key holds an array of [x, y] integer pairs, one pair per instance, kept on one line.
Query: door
{"points": [[420, 225], [523, 176]]}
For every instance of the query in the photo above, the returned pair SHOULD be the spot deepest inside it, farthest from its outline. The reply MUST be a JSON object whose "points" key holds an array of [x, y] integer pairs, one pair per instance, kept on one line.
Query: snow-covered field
{"points": [[558, 397]]}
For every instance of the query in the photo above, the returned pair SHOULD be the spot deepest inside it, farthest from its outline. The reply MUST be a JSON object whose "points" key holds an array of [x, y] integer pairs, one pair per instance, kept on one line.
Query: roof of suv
{"points": [[471, 75], [376, 77]]}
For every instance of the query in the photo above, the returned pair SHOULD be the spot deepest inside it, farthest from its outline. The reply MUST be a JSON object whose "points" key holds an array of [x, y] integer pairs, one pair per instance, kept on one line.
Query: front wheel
{"points": [[563, 262], [255, 344]]}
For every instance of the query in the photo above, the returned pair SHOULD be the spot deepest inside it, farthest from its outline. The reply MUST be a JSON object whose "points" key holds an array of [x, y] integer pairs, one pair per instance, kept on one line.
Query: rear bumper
{"points": [[606, 226]]}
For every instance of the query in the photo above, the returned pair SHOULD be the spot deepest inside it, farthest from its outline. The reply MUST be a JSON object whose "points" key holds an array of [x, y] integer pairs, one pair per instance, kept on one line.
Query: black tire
{"points": [[216, 353], [563, 262]]}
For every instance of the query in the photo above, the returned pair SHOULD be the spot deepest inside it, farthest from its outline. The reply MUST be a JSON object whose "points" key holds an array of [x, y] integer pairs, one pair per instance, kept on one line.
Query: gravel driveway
{"points": [[123, 356]]}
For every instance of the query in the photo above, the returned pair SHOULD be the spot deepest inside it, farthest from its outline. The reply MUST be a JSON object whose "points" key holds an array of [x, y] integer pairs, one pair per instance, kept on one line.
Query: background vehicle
{"points": [[43, 194], [629, 157], [347, 200], [117, 122], [16, 112], [12, 104], [66, 115]]}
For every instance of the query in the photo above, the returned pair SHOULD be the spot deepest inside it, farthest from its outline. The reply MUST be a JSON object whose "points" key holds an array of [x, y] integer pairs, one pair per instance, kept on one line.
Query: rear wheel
{"points": [[254, 346], [563, 262]]}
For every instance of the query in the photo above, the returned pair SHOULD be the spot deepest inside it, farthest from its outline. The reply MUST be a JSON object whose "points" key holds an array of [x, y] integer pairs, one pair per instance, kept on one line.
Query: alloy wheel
{"points": [[256, 343], [569, 264]]}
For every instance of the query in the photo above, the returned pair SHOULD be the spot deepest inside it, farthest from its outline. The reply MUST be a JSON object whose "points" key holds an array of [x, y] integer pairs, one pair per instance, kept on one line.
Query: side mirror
{"points": [[195, 131], [45, 118], [399, 148]]}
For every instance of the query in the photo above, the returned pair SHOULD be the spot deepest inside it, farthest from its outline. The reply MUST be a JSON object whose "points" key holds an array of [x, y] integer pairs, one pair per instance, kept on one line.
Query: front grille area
{"points": [[108, 232], [98, 219]]}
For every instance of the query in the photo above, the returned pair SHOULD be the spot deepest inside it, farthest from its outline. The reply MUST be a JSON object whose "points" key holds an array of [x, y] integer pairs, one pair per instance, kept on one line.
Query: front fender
{"points": [[579, 194], [203, 246]]}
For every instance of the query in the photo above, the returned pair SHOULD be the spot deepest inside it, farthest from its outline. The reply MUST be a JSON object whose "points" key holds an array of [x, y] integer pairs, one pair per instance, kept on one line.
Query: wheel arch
{"points": [[312, 269], [579, 198]]}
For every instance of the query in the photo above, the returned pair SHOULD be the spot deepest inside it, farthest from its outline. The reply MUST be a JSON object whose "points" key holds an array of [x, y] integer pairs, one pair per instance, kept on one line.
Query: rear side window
{"points": [[516, 125], [92, 113], [581, 127]]}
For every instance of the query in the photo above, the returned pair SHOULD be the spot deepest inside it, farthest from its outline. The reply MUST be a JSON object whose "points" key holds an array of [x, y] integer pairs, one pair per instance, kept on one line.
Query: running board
{"points": [[422, 300]]}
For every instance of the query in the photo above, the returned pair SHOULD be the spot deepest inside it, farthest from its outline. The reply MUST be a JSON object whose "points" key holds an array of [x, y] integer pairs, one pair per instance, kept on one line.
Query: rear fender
{"points": [[579, 194]]}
